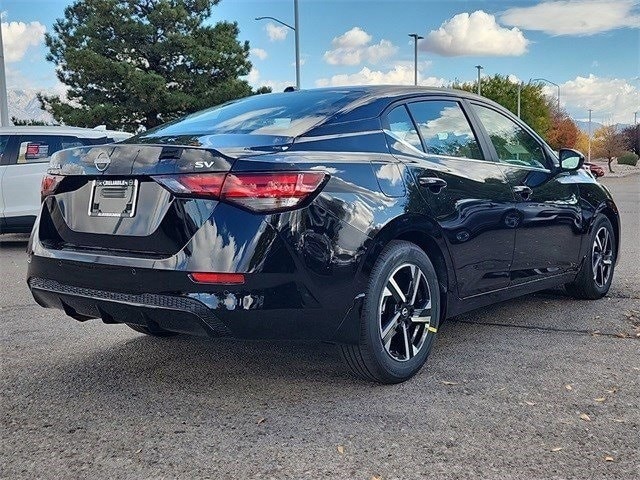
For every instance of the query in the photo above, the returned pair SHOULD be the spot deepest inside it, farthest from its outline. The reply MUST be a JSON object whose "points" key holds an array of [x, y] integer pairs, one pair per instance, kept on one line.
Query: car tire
{"points": [[152, 333], [389, 352], [595, 276]]}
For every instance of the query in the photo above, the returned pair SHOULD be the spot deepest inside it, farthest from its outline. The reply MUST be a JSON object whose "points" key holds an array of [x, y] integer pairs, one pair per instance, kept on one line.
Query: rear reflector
{"points": [[49, 185], [260, 192], [219, 278]]}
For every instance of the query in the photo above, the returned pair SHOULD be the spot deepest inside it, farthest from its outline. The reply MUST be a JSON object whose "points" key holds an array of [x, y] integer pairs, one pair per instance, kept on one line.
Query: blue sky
{"points": [[590, 47]]}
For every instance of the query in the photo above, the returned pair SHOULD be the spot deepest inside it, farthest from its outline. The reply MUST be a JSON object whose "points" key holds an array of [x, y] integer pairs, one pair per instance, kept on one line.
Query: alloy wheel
{"points": [[602, 257], [404, 313]]}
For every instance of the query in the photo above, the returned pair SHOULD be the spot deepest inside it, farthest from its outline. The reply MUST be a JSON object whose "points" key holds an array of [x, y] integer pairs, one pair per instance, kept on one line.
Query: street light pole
{"points": [[415, 37], [4, 108], [552, 83], [589, 155], [519, 95], [479, 67], [296, 32]]}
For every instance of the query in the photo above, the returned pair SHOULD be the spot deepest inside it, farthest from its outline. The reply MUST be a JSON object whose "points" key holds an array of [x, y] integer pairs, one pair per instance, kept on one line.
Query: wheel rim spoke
{"points": [[407, 348], [395, 290], [390, 330], [416, 277]]}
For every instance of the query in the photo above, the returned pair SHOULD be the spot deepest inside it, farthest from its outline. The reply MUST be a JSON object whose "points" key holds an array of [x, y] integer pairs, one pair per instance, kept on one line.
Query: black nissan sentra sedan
{"points": [[361, 216]]}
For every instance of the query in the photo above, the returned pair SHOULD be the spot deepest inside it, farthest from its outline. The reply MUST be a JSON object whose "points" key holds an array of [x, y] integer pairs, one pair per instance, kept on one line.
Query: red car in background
{"points": [[596, 170]]}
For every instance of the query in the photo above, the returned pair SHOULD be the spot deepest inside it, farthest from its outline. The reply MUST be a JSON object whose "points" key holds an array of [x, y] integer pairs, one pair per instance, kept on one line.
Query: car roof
{"points": [[63, 130], [370, 101]]}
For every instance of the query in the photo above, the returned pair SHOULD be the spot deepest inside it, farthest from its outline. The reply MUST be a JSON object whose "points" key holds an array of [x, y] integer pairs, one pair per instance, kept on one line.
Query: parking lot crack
{"points": [[594, 333]]}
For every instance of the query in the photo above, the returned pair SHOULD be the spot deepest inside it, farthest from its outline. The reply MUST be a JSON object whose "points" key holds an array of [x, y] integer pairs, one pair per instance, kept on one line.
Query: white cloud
{"points": [[354, 38], [513, 78], [259, 53], [353, 47], [613, 100], [276, 32], [19, 36], [400, 74], [256, 81], [477, 33], [575, 17]]}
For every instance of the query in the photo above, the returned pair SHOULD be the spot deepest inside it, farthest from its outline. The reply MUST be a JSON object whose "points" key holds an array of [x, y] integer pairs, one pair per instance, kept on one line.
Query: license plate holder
{"points": [[113, 198]]}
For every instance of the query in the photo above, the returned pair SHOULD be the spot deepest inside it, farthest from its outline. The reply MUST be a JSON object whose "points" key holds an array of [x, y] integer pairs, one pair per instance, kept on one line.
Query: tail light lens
{"points": [[49, 185], [259, 192]]}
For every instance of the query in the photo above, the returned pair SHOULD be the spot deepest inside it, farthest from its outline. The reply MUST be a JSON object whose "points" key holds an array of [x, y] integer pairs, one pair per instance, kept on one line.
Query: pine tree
{"points": [[140, 63]]}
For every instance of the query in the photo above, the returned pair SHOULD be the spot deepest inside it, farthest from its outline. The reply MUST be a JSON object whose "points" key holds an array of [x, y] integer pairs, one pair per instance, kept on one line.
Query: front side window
{"points": [[400, 126], [37, 148], [445, 129], [513, 144]]}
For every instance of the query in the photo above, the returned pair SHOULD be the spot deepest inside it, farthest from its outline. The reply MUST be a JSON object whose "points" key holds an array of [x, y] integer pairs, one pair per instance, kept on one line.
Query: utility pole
{"points": [[479, 67], [4, 108], [635, 118], [415, 37], [589, 155]]}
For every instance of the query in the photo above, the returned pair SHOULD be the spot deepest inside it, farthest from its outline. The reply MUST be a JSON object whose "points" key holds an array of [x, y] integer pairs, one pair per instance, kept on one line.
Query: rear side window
{"points": [[399, 125], [287, 114], [513, 144], [37, 148], [445, 129]]}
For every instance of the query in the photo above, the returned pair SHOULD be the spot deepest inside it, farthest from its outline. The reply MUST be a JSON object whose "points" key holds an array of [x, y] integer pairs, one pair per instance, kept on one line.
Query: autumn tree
{"points": [[534, 105], [139, 63], [582, 143], [563, 132], [607, 143]]}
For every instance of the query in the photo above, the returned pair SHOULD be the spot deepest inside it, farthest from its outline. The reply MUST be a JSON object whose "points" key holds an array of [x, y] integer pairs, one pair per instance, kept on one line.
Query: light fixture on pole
{"points": [[552, 83], [479, 67], [296, 31], [415, 37]]}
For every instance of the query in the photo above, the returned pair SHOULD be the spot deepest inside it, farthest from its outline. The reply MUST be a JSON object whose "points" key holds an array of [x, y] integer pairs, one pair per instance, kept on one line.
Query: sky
{"points": [[591, 48]]}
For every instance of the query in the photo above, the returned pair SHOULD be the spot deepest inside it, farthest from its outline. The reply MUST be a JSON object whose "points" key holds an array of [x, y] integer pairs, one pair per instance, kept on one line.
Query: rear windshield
{"points": [[287, 114]]}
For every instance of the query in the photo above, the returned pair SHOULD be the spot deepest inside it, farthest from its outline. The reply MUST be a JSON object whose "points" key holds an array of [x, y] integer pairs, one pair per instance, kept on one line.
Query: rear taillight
{"points": [[259, 192], [49, 185]]}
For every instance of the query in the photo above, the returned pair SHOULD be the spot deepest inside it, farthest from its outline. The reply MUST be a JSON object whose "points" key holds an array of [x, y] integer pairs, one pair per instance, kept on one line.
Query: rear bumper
{"points": [[268, 306], [166, 312]]}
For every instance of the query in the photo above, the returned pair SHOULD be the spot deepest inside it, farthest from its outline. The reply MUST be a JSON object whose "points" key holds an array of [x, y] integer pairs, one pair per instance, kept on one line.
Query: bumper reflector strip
{"points": [[218, 278]]}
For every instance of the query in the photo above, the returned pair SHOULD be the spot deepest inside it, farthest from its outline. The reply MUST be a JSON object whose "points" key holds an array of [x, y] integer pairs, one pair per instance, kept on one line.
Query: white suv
{"points": [[24, 157]]}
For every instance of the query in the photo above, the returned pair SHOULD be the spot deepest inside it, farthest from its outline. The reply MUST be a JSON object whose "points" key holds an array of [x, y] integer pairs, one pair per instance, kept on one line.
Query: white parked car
{"points": [[24, 158]]}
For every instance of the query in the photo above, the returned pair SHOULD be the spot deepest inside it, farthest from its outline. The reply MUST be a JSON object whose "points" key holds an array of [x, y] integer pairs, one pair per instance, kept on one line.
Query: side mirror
{"points": [[570, 159]]}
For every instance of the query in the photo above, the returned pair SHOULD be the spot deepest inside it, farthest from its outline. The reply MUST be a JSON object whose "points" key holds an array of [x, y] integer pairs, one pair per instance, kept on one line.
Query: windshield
{"points": [[286, 114]]}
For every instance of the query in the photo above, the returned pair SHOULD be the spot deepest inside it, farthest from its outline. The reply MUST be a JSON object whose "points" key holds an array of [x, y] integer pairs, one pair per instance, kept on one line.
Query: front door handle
{"points": [[434, 184], [524, 191]]}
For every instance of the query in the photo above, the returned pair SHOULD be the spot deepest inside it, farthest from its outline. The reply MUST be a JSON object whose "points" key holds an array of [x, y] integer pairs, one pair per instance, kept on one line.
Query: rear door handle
{"points": [[524, 191], [434, 184]]}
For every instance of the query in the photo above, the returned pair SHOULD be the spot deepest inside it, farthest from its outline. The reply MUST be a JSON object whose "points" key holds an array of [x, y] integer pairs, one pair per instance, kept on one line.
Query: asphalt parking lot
{"points": [[541, 387]]}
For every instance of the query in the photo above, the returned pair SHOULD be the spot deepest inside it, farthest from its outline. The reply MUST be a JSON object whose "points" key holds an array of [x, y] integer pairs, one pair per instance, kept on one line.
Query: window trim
{"points": [[494, 153]]}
